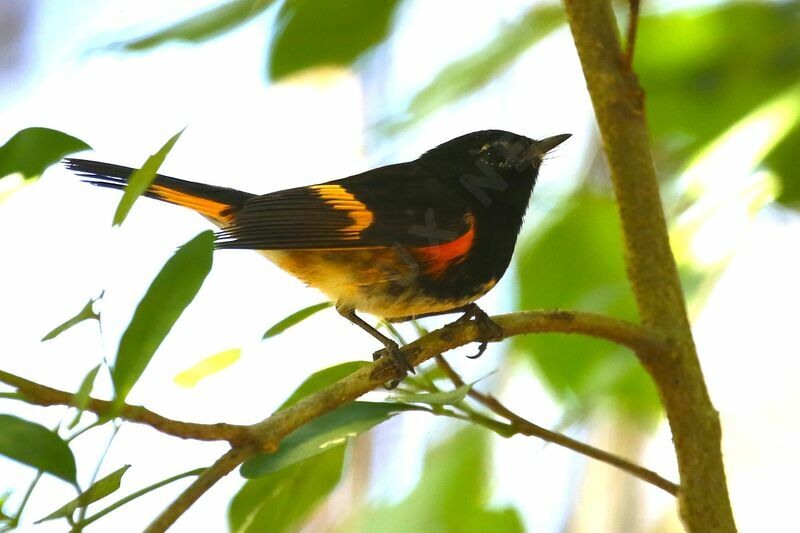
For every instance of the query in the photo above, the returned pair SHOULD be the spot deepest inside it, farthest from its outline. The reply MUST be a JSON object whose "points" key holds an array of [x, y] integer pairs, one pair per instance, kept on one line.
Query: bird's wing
{"points": [[397, 205]]}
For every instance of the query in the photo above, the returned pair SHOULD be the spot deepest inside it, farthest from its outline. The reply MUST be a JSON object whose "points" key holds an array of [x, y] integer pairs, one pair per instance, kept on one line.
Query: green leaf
{"points": [[141, 179], [473, 72], [3, 499], [452, 495], [171, 291], [82, 396], [311, 33], [208, 367], [295, 318], [281, 501], [87, 313], [102, 488], [138, 494], [450, 397], [206, 25], [36, 446], [783, 161], [694, 63], [320, 434], [30, 151], [321, 379], [578, 263]]}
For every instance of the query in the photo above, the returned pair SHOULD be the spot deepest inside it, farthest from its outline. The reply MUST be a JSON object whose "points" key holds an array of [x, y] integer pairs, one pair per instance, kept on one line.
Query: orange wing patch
{"points": [[439, 257], [210, 208], [338, 197]]}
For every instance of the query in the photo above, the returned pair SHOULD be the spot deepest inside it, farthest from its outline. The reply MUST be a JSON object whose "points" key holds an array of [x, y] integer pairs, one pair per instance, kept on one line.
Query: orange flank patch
{"points": [[439, 257], [338, 197], [204, 206]]}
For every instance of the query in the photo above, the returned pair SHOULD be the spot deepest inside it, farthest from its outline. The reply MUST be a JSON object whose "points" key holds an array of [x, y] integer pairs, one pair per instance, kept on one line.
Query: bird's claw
{"points": [[488, 329], [399, 361]]}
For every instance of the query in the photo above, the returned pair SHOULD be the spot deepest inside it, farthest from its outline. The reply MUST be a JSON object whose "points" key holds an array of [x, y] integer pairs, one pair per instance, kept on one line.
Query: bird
{"points": [[408, 240]]}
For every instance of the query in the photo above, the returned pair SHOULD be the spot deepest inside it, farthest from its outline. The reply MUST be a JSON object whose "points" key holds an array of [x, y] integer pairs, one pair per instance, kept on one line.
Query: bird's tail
{"points": [[218, 203]]}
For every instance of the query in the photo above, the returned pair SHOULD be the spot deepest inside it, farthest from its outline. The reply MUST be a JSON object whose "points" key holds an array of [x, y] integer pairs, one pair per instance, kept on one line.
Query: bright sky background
{"points": [[60, 249]]}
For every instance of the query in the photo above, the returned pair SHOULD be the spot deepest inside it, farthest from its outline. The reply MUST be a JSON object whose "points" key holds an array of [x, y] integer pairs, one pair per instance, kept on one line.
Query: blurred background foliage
{"points": [[710, 71]]}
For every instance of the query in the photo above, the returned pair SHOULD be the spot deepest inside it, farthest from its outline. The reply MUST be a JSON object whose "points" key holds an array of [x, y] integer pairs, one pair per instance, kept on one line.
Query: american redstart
{"points": [[414, 239]]}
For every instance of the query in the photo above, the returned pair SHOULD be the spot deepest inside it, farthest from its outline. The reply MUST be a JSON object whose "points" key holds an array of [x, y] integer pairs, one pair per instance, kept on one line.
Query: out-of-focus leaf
{"points": [[321, 379], [208, 24], [701, 75], [101, 488], [577, 263], [320, 434], [87, 313], [473, 72], [312, 33], [452, 495], [36, 446], [280, 502], [82, 396], [3, 516], [295, 318], [208, 367], [30, 151], [449, 397], [142, 178], [171, 291], [785, 163]]}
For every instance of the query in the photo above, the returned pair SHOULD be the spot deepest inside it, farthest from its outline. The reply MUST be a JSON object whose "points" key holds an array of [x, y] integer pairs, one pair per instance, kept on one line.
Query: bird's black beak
{"points": [[540, 148]]}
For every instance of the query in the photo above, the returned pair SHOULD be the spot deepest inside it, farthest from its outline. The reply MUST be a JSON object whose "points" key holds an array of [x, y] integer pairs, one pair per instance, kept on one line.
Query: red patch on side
{"points": [[439, 257]]}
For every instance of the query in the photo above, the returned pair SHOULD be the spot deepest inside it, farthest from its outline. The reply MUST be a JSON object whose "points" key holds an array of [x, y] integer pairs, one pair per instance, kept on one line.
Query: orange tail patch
{"points": [[210, 208]]}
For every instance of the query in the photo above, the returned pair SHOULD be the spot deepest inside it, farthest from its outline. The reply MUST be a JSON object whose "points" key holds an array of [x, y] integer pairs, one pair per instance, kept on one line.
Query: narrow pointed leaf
{"points": [[82, 396], [30, 151], [141, 179], [206, 25], [87, 313], [139, 493], [473, 72], [36, 446], [280, 502], [322, 433], [295, 318], [207, 367], [312, 33], [102, 488], [171, 292]]}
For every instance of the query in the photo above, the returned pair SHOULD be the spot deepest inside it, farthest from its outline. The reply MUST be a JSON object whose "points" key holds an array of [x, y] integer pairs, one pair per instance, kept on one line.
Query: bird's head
{"points": [[493, 163]]}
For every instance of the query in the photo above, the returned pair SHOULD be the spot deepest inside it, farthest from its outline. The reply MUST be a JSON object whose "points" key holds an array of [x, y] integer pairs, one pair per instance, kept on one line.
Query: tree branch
{"points": [[525, 427], [619, 106], [265, 436], [224, 465], [38, 394]]}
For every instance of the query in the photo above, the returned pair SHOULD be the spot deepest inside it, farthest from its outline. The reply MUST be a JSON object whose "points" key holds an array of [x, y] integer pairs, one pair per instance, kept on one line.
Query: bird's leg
{"points": [[390, 347], [489, 330]]}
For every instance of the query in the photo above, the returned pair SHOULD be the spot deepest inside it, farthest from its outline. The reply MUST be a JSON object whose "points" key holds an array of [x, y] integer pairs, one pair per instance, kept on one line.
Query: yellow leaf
{"points": [[207, 367]]}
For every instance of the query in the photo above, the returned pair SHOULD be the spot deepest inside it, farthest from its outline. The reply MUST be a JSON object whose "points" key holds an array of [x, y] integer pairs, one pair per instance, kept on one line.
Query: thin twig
{"points": [[224, 465], [525, 427], [633, 27], [38, 394]]}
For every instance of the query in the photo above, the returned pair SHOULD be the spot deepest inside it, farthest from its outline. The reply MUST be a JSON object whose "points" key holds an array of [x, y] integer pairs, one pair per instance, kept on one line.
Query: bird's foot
{"points": [[399, 361], [488, 329]]}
